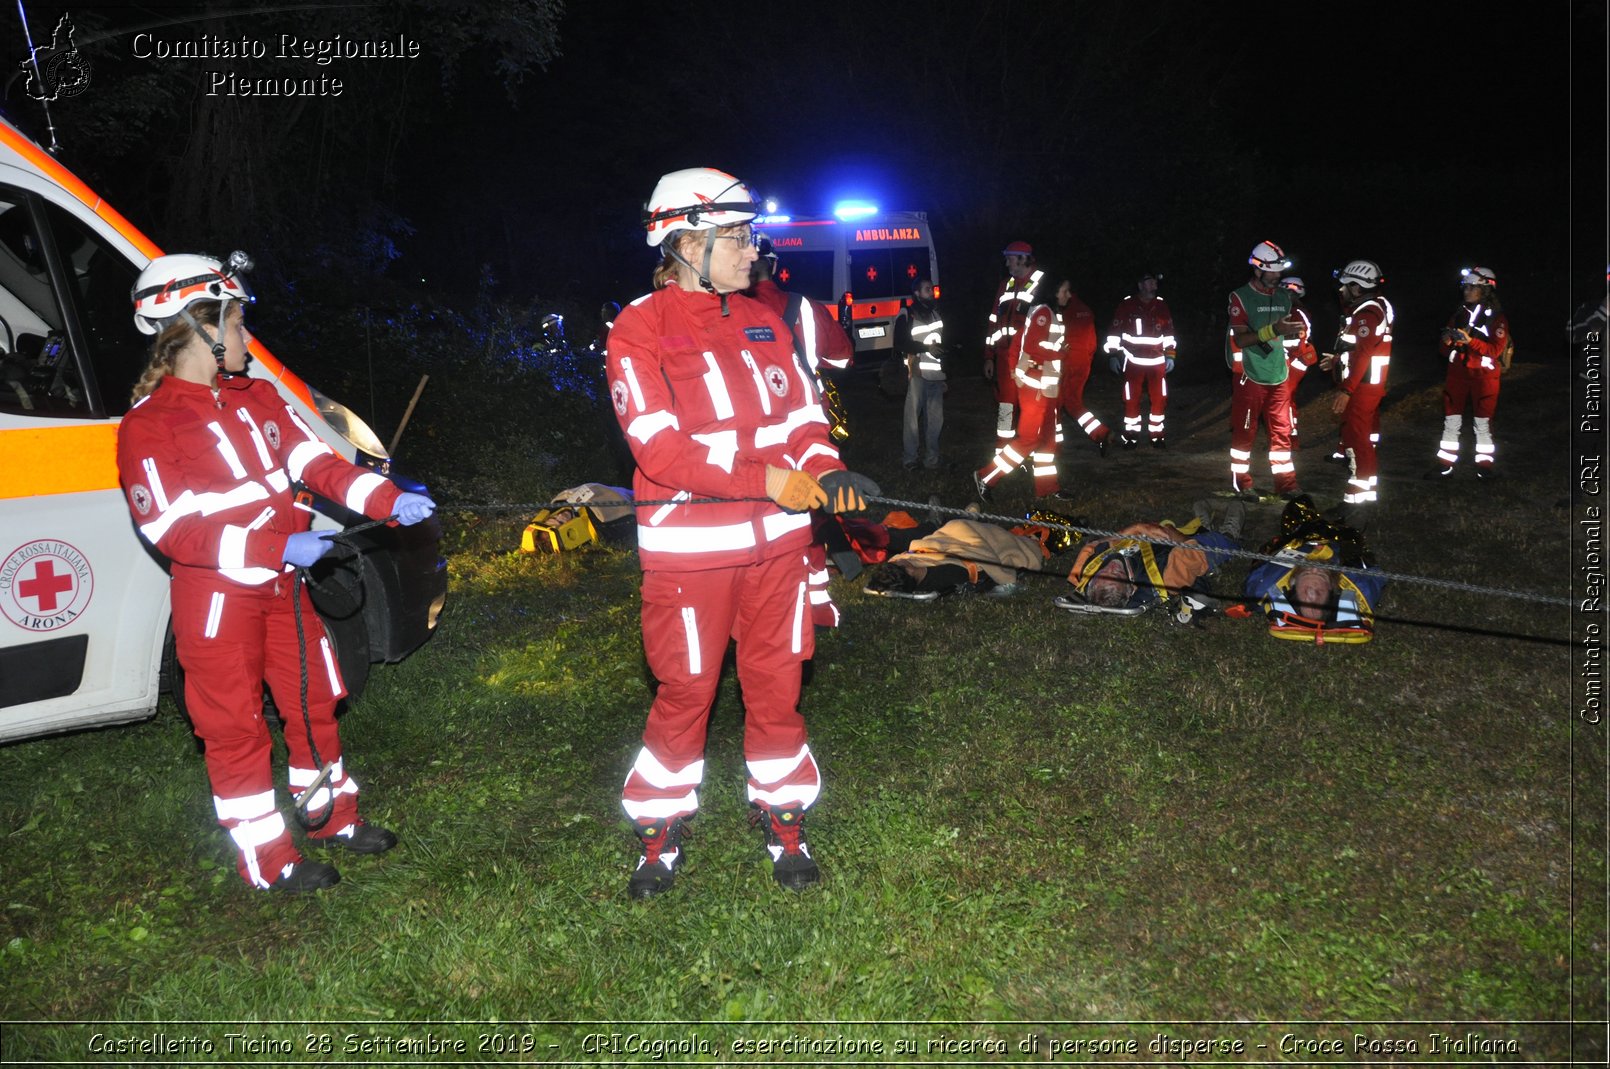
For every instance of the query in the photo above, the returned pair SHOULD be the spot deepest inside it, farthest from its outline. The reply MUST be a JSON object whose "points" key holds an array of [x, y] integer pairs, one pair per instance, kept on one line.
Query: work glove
{"points": [[847, 491], [304, 548], [1168, 365], [411, 508], [796, 491], [1115, 364]]}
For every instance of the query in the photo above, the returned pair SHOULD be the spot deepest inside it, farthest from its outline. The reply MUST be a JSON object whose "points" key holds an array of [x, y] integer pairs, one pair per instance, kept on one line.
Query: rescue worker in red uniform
{"points": [[1079, 325], [1365, 352], [1037, 367], [1260, 322], [1476, 342], [1300, 352], [818, 339], [209, 459], [1141, 345], [1013, 299], [716, 404], [818, 330]]}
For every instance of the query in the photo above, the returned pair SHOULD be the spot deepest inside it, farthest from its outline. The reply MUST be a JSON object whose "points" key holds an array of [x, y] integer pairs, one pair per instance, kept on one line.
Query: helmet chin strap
{"points": [[704, 275], [215, 344]]}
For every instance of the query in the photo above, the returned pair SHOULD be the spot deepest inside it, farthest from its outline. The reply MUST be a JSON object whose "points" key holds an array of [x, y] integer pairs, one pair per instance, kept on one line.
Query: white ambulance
{"points": [[862, 260], [84, 635]]}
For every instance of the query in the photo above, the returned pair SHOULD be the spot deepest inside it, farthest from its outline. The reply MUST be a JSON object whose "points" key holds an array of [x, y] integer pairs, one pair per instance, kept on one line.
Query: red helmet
{"points": [[1019, 248]]}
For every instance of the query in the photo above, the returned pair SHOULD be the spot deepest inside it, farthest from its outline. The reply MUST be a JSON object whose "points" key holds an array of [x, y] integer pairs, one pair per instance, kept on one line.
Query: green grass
{"points": [[1026, 816]]}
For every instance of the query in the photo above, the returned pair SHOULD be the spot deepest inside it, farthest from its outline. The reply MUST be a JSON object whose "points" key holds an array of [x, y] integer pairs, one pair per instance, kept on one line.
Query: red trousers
{"points": [[1468, 385], [1361, 421], [1249, 403], [230, 639], [1075, 373], [1151, 380], [688, 619], [1036, 440]]}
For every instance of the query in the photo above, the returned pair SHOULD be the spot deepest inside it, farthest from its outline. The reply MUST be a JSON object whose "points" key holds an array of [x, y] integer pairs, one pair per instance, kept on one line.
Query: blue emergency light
{"points": [[854, 209]]}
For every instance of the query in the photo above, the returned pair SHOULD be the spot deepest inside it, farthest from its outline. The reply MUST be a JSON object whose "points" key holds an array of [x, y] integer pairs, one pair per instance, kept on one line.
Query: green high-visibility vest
{"points": [[1264, 362]]}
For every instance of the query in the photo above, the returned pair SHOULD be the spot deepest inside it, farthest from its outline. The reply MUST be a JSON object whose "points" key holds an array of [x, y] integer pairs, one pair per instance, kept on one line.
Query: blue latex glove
{"points": [[1168, 365], [1115, 364], [304, 548], [411, 508]]}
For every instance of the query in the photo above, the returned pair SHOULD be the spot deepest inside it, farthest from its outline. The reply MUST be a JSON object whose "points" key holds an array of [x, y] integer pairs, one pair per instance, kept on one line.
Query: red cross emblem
{"points": [[871, 274], [783, 274], [44, 585], [911, 271]]}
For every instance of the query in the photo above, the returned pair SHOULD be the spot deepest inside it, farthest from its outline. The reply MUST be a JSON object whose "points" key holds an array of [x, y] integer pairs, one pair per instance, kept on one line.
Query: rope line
{"points": [[1095, 532]]}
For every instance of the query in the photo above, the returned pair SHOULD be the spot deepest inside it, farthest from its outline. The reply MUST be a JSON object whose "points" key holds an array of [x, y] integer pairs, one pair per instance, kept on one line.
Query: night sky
{"points": [[1114, 137]]}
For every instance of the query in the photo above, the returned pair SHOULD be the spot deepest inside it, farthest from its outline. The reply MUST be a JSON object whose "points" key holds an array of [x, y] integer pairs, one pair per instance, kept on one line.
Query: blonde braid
{"points": [[167, 345]]}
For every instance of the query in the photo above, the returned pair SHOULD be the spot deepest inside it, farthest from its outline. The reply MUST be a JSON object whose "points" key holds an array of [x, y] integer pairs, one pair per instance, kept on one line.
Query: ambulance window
{"points": [[887, 271], [104, 278], [808, 273], [38, 374]]}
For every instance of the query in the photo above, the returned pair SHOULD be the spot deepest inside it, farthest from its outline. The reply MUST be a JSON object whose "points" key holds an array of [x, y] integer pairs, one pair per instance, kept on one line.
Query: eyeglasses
{"points": [[743, 237]]}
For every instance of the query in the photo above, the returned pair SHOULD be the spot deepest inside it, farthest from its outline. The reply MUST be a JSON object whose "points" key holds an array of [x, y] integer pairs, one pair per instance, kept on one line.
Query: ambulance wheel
{"points": [[170, 679]]}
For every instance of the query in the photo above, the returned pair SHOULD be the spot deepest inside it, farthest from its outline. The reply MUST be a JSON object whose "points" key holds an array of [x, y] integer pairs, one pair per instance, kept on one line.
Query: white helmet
{"points": [[1363, 272], [1477, 276], [1267, 256], [1296, 285], [170, 284], [698, 198]]}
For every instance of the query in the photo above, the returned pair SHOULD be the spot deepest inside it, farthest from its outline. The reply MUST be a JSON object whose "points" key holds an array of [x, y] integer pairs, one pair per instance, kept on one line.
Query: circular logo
{"points": [[141, 499], [271, 431], [45, 585], [1364, 332], [617, 392], [776, 381]]}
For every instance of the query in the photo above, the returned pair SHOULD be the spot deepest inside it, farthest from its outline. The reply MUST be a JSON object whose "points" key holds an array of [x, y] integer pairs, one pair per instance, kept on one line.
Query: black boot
{"points": [[661, 857], [304, 876], [359, 837], [791, 863]]}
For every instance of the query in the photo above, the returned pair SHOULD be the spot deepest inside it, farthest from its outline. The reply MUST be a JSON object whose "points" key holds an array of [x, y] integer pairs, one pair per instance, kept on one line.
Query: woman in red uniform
{"points": [[1476, 342], [715, 405], [1036, 366], [208, 457]]}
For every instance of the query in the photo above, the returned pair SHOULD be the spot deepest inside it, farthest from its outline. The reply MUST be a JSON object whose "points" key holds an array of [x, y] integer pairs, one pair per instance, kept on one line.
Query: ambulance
{"points": [[864, 261], [84, 617]]}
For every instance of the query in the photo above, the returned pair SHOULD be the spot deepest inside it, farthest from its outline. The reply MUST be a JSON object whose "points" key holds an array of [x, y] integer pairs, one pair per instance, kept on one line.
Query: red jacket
{"points": [[707, 401], [1080, 323], [1037, 364], [1012, 301], [1367, 337], [208, 480], [1488, 328], [1300, 352], [821, 337], [1142, 332]]}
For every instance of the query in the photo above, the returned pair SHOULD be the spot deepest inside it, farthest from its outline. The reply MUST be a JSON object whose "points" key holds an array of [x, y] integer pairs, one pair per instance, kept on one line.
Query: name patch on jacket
{"points": [[759, 334]]}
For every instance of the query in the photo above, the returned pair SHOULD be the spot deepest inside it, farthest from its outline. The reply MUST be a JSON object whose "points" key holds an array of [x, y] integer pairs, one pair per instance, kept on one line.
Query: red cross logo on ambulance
{"points": [[776, 381], [45, 585]]}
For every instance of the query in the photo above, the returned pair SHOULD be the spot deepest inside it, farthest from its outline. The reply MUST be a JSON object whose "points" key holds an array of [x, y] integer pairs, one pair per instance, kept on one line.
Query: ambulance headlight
{"points": [[349, 425]]}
